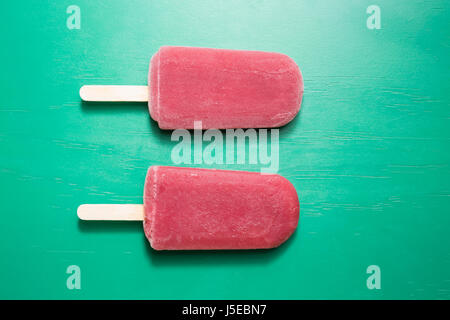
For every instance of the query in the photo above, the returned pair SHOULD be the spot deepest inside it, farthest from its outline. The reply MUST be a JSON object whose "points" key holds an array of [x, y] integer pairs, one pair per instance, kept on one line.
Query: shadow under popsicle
{"points": [[110, 226], [188, 257], [112, 106]]}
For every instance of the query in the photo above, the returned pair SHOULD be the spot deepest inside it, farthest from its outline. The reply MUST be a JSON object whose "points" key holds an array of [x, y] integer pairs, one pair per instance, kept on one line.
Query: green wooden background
{"points": [[368, 153]]}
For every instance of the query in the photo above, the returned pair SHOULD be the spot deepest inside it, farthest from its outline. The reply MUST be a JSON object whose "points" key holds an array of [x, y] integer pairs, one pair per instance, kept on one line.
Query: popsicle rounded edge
{"points": [[83, 92], [300, 85], [292, 212]]}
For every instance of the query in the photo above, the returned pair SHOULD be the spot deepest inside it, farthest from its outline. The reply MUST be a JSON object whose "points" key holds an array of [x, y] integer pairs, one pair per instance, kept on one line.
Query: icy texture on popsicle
{"points": [[200, 209], [223, 88]]}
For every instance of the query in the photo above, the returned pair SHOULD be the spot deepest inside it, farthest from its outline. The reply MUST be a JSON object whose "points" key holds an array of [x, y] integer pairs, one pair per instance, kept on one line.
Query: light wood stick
{"points": [[117, 212], [114, 93]]}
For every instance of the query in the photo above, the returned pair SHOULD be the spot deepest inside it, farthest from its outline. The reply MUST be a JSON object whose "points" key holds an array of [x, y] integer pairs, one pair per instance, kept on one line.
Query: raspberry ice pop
{"points": [[222, 88], [204, 209]]}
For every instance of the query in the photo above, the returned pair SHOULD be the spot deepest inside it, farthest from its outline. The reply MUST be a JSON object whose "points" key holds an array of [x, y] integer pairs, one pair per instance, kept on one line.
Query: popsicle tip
{"points": [[81, 212]]}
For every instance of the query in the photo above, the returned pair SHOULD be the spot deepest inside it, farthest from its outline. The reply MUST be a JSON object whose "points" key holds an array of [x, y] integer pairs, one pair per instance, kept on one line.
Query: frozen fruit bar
{"points": [[222, 88], [199, 209]]}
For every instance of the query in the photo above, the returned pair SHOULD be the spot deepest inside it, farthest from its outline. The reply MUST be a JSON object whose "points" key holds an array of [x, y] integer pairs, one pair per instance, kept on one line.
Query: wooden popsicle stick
{"points": [[116, 212], [114, 93]]}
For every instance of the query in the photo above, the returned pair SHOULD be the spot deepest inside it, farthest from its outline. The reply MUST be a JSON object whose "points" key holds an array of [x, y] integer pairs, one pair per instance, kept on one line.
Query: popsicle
{"points": [[220, 87], [207, 209]]}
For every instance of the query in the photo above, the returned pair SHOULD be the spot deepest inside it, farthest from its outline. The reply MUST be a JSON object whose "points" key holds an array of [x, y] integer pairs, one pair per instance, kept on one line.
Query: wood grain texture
{"points": [[369, 152]]}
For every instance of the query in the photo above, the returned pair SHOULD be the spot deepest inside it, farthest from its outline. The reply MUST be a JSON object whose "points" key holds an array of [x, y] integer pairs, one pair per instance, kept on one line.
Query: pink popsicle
{"points": [[223, 88], [200, 209]]}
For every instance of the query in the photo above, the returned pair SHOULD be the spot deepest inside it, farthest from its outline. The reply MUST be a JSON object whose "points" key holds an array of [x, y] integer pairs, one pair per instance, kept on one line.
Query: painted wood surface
{"points": [[369, 153]]}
